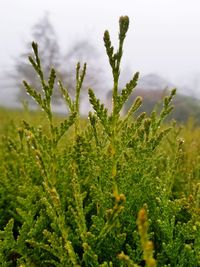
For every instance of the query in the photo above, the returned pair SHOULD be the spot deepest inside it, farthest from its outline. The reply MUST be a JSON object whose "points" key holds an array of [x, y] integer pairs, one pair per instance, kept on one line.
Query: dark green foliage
{"points": [[106, 193]]}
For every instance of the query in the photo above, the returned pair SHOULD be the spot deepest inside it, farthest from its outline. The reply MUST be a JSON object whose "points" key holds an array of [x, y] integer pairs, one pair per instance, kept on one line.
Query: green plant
{"points": [[72, 192]]}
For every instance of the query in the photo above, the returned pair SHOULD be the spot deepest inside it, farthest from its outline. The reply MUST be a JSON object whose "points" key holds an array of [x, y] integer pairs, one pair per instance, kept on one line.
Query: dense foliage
{"points": [[112, 191]]}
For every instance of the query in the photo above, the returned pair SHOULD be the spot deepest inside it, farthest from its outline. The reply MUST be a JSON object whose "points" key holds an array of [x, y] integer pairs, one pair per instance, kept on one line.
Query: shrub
{"points": [[80, 195]]}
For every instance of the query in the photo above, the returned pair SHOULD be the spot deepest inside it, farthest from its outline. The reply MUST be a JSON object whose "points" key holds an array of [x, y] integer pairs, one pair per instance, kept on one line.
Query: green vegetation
{"points": [[112, 191], [185, 107]]}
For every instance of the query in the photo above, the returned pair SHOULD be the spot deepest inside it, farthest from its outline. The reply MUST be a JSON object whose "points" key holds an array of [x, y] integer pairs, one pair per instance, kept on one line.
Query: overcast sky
{"points": [[163, 38]]}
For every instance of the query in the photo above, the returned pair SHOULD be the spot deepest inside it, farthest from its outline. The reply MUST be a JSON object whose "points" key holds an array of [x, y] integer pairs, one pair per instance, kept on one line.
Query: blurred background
{"points": [[162, 43]]}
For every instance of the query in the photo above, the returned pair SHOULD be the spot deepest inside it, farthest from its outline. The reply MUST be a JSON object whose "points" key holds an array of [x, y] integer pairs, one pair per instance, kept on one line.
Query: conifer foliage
{"points": [[101, 193]]}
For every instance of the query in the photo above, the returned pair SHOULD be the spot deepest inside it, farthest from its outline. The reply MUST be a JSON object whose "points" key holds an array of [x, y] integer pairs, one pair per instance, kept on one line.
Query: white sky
{"points": [[163, 37]]}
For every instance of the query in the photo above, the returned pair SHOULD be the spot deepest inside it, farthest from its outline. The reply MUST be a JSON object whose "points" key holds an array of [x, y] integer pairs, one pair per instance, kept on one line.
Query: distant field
{"points": [[16, 116]]}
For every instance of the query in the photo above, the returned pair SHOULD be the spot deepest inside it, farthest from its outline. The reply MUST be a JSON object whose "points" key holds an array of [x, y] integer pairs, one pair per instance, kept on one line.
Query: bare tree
{"points": [[44, 35], [83, 51]]}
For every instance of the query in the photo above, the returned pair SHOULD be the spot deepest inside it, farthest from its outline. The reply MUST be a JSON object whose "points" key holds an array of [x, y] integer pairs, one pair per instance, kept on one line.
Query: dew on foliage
{"points": [[181, 141], [37, 157]]}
